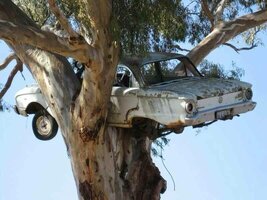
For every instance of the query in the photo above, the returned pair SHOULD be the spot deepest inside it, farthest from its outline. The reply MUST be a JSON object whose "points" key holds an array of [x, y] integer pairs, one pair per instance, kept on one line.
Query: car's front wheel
{"points": [[44, 125]]}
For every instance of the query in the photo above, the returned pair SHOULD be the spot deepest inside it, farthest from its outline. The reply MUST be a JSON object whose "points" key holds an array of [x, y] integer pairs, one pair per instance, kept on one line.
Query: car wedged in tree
{"points": [[164, 88]]}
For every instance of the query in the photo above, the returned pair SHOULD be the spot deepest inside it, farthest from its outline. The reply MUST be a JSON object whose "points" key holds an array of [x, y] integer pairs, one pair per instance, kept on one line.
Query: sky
{"points": [[227, 160]]}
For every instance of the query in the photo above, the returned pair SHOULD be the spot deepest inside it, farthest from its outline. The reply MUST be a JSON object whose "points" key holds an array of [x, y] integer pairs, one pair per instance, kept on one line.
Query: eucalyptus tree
{"points": [[112, 163]]}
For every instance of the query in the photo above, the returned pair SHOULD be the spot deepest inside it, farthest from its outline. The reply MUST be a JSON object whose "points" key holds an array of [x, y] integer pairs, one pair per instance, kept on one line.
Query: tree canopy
{"points": [[138, 25], [154, 25]]}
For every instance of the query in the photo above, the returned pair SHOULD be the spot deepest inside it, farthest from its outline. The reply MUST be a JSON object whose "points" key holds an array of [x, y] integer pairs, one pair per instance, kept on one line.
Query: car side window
{"points": [[166, 70], [150, 73], [124, 77]]}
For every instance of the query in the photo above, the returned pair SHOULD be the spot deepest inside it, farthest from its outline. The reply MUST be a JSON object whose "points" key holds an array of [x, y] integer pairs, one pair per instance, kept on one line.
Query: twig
{"points": [[180, 48], [242, 48]]}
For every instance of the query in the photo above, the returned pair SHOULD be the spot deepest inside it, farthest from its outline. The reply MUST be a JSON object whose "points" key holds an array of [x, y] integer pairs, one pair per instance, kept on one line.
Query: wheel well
{"points": [[33, 108], [136, 121]]}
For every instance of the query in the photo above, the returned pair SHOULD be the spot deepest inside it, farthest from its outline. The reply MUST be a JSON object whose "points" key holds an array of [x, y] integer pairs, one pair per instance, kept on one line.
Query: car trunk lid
{"points": [[202, 87]]}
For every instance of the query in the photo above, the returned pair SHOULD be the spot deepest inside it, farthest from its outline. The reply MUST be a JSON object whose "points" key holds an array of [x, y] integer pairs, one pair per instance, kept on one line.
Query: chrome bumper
{"points": [[210, 115]]}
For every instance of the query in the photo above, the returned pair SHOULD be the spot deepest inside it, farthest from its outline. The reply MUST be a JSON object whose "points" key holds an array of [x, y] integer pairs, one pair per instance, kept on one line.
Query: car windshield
{"points": [[166, 70]]}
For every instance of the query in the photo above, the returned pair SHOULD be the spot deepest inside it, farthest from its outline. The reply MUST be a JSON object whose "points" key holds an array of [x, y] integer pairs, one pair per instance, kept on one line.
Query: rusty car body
{"points": [[162, 87]]}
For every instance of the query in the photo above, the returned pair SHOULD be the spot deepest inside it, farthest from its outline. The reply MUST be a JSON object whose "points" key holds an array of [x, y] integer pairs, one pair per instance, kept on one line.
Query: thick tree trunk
{"points": [[115, 165]]}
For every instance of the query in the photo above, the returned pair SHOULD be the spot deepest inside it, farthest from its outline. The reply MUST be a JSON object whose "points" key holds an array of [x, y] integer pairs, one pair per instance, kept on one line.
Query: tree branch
{"points": [[62, 19], [99, 12], [180, 48], [239, 25], [7, 61], [220, 9], [207, 12], [224, 32], [240, 49], [17, 68], [33, 36]]}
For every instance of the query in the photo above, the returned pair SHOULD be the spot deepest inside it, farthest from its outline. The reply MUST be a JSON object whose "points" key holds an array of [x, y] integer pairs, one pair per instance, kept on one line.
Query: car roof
{"points": [[140, 60]]}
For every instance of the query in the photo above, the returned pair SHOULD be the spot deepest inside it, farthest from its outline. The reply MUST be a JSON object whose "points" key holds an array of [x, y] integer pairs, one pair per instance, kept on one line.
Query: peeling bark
{"points": [[127, 173]]}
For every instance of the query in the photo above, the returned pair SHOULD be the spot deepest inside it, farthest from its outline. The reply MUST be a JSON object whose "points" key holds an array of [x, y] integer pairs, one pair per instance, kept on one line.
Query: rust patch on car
{"points": [[176, 124], [240, 95]]}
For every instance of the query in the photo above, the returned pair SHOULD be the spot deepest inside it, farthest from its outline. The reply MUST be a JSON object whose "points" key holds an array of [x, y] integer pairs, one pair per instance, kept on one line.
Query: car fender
{"points": [[165, 107], [29, 100]]}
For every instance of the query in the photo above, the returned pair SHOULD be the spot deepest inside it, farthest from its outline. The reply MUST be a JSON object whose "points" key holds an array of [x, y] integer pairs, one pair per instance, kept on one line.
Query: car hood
{"points": [[202, 87]]}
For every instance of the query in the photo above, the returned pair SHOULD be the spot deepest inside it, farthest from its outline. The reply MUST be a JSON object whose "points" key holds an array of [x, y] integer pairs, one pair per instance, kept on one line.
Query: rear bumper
{"points": [[210, 115]]}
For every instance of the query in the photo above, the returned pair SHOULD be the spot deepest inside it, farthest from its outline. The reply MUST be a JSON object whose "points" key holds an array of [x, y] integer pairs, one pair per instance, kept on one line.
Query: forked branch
{"points": [[45, 40], [207, 12], [18, 67], [62, 19]]}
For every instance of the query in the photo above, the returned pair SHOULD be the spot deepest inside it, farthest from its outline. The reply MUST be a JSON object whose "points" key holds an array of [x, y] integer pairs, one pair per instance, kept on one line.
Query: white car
{"points": [[163, 88]]}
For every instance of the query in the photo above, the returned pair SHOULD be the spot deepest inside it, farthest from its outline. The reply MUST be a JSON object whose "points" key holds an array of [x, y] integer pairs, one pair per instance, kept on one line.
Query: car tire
{"points": [[44, 126]]}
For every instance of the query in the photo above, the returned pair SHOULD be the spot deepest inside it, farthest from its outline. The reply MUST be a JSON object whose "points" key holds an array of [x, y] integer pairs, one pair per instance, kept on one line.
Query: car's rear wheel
{"points": [[44, 125]]}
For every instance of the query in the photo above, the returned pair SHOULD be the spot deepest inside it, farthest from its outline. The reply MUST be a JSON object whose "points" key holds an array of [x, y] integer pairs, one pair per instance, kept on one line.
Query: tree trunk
{"points": [[115, 165]]}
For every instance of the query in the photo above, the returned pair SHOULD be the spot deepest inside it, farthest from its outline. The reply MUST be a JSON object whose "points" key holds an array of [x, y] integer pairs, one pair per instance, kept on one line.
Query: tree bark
{"points": [[117, 165]]}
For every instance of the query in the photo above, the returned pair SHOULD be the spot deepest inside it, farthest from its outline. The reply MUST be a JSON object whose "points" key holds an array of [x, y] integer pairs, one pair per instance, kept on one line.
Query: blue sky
{"points": [[227, 160]]}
